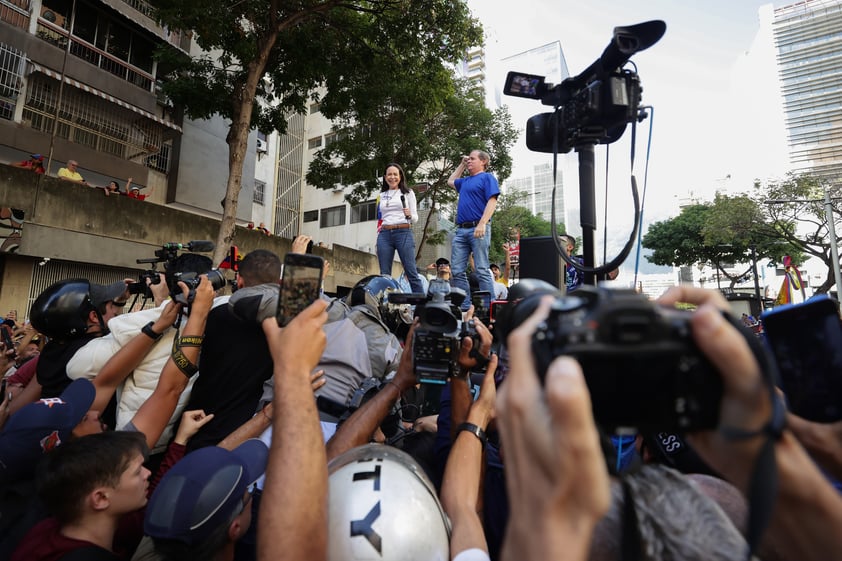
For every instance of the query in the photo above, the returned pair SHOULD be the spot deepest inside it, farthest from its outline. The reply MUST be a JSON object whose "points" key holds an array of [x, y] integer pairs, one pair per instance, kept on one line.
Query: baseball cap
{"points": [[102, 293], [442, 261], [38, 157], [42, 426], [202, 491], [134, 188]]}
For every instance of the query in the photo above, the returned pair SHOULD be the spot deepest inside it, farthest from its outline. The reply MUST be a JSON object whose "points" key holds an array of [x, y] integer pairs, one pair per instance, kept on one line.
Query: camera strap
{"points": [[763, 487]]}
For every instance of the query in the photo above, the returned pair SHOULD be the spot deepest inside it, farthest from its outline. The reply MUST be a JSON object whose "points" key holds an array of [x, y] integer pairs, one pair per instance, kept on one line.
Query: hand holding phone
{"points": [[806, 341], [301, 285]]}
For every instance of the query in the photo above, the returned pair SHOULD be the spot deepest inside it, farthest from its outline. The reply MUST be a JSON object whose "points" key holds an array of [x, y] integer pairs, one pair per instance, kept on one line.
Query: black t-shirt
{"points": [[234, 363]]}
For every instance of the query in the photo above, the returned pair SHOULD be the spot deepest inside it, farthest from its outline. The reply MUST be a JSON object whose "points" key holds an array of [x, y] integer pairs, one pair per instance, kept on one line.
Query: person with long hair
{"points": [[396, 211]]}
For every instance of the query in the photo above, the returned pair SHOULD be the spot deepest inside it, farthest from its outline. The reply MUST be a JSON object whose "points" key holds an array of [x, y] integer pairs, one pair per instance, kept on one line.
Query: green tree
{"points": [[512, 219], [724, 231], [424, 125], [269, 56], [794, 214]]}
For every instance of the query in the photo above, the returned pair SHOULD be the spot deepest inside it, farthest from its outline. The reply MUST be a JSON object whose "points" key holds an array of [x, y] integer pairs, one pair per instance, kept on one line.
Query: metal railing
{"points": [[15, 12], [84, 50], [141, 6]]}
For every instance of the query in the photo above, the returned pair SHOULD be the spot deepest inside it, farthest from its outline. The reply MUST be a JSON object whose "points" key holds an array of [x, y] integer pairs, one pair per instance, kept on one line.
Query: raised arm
{"points": [[457, 173], [556, 476], [462, 481], [124, 361], [293, 511], [152, 417]]}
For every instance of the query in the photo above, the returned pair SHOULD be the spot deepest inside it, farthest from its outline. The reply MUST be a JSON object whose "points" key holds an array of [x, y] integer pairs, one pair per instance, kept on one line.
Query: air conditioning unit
{"points": [[338, 188], [262, 146]]}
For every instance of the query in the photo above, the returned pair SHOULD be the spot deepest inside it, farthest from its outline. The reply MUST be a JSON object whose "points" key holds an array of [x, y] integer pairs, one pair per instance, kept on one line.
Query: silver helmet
{"points": [[382, 506], [374, 291]]}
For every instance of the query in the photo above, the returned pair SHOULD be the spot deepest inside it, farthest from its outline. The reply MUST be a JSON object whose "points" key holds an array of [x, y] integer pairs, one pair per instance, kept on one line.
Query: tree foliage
{"points": [[425, 126], [263, 58], [724, 231], [511, 220], [794, 213]]}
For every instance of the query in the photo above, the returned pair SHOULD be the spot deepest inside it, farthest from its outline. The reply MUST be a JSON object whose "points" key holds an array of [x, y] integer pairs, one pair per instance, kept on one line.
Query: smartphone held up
{"points": [[806, 342], [301, 284]]}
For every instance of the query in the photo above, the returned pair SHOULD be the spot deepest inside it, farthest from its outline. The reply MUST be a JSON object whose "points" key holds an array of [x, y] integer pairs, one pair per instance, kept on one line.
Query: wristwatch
{"points": [[474, 430], [147, 330]]}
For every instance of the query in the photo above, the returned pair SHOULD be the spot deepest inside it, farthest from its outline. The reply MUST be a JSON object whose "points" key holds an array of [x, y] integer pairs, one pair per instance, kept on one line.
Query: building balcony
{"points": [[15, 12]]}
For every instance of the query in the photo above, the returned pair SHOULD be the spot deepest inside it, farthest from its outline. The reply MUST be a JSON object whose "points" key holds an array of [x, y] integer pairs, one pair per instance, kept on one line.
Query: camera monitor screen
{"points": [[524, 85]]}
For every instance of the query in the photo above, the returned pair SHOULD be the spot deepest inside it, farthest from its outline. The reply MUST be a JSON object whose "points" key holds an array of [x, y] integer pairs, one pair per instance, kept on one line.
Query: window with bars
{"points": [[364, 212], [315, 142], [259, 191], [333, 216], [89, 120], [311, 215], [315, 108], [11, 76]]}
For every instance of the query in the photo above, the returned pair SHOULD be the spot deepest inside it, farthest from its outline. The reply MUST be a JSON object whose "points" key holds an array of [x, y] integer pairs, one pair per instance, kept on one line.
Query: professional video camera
{"points": [[593, 107], [642, 367], [437, 340], [167, 255]]}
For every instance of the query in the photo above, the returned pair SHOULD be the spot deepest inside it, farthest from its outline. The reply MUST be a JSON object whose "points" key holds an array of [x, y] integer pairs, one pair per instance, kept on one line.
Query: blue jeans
{"points": [[402, 241], [464, 244]]}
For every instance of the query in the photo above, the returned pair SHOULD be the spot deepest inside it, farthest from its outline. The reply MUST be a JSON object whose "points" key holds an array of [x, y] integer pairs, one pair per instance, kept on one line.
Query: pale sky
{"points": [[703, 97]]}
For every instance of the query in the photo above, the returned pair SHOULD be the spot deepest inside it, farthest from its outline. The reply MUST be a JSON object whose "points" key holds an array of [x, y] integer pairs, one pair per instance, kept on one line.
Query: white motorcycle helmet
{"points": [[383, 507]]}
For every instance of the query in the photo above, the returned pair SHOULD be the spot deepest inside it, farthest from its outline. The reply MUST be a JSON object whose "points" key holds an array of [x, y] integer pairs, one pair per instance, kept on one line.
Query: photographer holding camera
{"points": [[145, 368], [477, 201]]}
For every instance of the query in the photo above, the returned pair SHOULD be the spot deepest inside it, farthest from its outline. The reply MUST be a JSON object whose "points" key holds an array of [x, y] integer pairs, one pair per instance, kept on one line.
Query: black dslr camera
{"points": [[167, 255], [640, 362], [593, 107], [436, 341]]}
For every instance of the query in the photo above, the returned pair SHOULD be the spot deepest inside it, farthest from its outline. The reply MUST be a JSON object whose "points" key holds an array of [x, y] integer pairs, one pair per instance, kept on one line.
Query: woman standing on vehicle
{"points": [[396, 211]]}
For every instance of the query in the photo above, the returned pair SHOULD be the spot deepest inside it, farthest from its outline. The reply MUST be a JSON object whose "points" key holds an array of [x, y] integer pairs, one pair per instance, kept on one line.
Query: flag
{"points": [[227, 264], [792, 287]]}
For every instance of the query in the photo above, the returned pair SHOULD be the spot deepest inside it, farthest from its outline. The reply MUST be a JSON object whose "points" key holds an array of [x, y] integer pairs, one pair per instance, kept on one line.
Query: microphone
{"points": [[403, 204], [202, 246]]}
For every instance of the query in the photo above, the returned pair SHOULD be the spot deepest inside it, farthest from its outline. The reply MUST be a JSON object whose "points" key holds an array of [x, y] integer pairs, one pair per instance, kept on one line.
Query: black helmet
{"points": [[373, 291], [61, 311]]}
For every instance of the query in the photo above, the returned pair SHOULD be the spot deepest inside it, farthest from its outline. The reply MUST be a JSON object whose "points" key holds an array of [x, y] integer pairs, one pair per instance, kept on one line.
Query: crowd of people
{"points": [[201, 429], [206, 431]]}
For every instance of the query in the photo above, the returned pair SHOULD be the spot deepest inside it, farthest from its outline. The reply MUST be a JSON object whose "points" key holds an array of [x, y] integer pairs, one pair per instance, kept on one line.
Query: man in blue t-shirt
{"points": [[478, 194]]}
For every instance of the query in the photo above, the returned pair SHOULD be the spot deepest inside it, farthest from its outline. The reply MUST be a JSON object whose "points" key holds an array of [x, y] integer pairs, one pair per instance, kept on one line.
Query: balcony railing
{"points": [[15, 12], [87, 119], [84, 50], [141, 6]]}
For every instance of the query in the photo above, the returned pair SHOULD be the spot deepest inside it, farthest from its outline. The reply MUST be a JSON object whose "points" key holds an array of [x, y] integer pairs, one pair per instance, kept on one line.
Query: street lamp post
{"points": [[831, 227], [834, 251]]}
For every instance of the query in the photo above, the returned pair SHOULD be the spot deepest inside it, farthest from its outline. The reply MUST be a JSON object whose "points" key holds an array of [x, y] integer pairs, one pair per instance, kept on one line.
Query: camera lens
{"points": [[216, 278]]}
